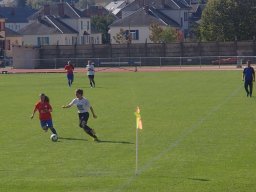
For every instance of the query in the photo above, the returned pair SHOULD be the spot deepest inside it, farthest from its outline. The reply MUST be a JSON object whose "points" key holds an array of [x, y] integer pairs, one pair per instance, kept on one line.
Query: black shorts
{"points": [[83, 117]]}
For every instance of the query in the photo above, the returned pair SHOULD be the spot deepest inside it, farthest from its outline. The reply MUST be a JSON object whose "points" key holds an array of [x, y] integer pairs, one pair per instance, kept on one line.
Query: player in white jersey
{"points": [[83, 106], [90, 73]]}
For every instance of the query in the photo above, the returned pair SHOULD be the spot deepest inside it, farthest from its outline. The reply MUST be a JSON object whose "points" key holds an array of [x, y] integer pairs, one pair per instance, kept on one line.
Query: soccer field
{"points": [[198, 134]]}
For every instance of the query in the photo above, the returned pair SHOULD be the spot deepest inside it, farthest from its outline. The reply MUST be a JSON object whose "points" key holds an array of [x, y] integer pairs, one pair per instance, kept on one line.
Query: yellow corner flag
{"points": [[138, 119]]}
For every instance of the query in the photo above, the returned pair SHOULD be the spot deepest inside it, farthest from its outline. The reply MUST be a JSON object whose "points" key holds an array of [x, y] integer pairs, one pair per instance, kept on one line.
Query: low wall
{"points": [[25, 57]]}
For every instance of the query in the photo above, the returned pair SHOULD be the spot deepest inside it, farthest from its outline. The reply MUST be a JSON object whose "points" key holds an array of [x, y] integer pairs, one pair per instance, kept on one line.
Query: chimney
{"points": [[47, 9], [61, 9]]}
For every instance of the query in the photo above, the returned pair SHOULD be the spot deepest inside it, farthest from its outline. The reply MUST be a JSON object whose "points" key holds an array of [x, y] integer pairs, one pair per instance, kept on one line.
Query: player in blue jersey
{"points": [[248, 78]]}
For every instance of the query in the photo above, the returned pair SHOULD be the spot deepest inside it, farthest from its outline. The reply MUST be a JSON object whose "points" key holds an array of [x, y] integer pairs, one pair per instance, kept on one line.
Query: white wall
{"points": [[176, 15], [13, 41], [81, 25], [16, 26], [25, 57], [61, 39], [144, 33]]}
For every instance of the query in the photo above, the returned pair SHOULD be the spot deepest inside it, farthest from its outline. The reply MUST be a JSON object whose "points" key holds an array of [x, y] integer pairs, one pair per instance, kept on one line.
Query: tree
{"points": [[169, 35], [156, 31], [100, 24], [227, 20], [123, 37], [162, 35]]}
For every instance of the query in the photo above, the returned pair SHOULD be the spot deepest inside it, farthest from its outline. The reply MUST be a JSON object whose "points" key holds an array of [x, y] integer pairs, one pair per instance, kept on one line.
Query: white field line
{"points": [[179, 140]]}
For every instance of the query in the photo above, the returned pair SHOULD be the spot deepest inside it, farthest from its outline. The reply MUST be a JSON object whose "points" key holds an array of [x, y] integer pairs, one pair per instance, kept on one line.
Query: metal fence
{"points": [[200, 61]]}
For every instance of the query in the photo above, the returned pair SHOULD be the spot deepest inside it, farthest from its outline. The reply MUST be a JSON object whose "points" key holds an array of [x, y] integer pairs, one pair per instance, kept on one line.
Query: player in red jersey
{"points": [[69, 68], [44, 108]]}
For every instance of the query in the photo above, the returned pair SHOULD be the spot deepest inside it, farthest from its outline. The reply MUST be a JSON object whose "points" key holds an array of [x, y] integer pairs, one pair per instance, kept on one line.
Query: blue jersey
{"points": [[248, 74]]}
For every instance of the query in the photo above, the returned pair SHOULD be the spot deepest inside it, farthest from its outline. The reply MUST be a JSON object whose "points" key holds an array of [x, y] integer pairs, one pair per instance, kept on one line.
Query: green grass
{"points": [[198, 134]]}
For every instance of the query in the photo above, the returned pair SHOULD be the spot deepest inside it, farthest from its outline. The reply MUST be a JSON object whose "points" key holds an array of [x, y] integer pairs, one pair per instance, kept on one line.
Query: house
{"points": [[96, 10], [138, 23], [172, 13], [115, 7], [196, 11], [48, 30], [59, 24], [16, 17], [195, 15], [12, 38], [175, 10], [2, 36]]}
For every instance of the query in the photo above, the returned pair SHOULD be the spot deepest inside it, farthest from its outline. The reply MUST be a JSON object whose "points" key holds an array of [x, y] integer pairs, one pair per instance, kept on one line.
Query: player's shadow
{"points": [[101, 141], [120, 142], [72, 139], [199, 179]]}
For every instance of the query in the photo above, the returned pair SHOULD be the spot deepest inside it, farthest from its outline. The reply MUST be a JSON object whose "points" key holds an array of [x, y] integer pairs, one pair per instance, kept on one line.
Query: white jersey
{"points": [[90, 69], [83, 104]]}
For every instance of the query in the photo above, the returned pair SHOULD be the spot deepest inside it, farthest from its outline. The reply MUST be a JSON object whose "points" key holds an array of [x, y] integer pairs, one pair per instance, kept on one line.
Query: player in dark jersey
{"points": [[248, 78]]}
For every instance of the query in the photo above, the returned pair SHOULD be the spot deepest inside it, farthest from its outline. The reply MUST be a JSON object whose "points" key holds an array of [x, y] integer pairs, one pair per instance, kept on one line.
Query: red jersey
{"points": [[69, 69], [43, 109]]}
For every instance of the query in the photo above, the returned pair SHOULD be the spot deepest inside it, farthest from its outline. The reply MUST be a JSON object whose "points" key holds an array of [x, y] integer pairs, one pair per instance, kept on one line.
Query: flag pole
{"points": [[138, 126], [137, 150]]}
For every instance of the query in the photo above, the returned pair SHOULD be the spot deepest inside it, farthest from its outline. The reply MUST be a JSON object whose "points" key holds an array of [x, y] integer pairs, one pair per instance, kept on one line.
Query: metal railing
{"points": [[200, 61]]}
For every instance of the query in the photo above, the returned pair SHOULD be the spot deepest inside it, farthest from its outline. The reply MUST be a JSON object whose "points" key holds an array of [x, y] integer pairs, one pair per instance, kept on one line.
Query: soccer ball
{"points": [[54, 137]]}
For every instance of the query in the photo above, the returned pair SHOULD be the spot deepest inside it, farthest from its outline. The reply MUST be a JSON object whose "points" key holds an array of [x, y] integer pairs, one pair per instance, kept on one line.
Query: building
{"points": [[138, 24], [2, 36], [16, 17], [12, 38], [115, 7], [168, 13], [59, 24], [92, 11]]}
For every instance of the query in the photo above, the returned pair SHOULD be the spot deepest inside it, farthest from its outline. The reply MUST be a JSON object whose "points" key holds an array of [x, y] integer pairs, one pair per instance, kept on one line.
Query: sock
{"points": [[53, 130], [89, 131]]}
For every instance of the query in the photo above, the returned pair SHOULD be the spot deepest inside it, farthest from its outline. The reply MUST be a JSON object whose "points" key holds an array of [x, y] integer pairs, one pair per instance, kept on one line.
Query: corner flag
{"points": [[138, 119], [138, 126]]}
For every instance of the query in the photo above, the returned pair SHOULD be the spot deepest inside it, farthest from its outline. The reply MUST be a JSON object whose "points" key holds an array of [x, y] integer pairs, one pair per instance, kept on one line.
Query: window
{"points": [[88, 25], [133, 33], [42, 41], [1, 26], [74, 40], [8, 45], [185, 16], [92, 40], [81, 25], [84, 39]]}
